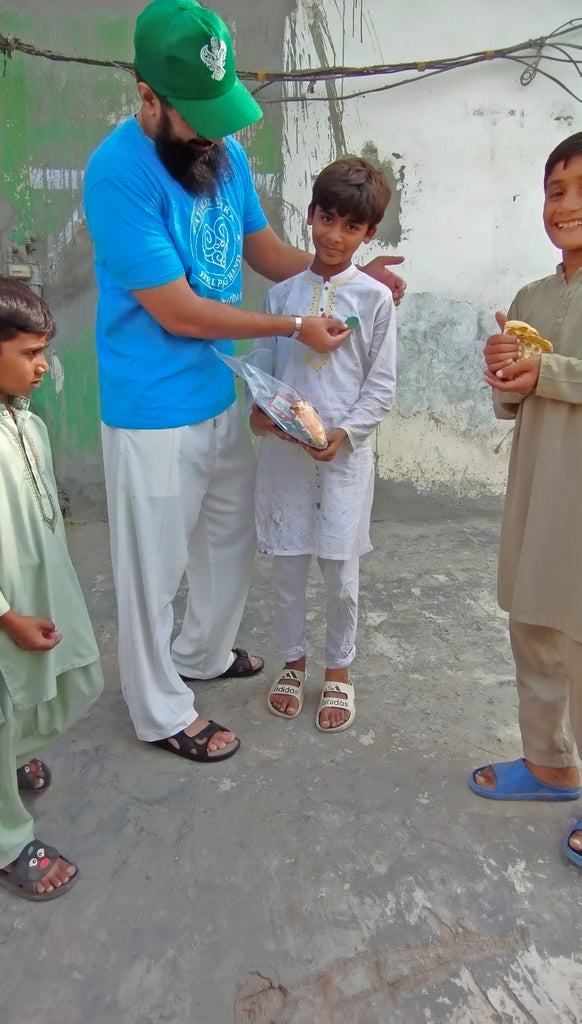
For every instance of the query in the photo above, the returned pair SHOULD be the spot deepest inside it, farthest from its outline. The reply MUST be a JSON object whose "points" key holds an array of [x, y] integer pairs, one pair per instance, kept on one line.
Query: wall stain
{"points": [[323, 43], [389, 229]]}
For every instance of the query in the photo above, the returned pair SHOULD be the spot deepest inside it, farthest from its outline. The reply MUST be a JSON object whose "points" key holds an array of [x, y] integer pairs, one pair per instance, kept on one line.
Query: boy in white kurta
{"points": [[540, 557], [48, 679], [312, 502]]}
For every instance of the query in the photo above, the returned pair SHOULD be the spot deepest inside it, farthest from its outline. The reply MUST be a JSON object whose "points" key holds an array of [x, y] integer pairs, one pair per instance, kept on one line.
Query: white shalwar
{"points": [[180, 500], [289, 581], [304, 507]]}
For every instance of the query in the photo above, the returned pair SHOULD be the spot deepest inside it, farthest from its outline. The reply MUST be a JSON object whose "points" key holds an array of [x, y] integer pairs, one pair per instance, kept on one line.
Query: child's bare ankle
{"points": [[298, 665], [337, 675]]}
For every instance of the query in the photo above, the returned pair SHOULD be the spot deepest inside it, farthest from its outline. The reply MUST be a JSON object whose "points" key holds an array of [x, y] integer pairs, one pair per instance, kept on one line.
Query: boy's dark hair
{"points": [[22, 311], [564, 152], [352, 187]]}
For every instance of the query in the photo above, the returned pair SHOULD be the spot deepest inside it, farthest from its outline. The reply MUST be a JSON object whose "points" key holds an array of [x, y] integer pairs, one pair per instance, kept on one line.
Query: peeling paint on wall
{"points": [[389, 229], [441, 435], [315, 14]]}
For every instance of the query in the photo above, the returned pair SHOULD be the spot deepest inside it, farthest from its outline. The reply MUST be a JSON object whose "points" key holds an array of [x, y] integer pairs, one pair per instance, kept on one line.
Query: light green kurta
{"points": [[36, 574], [540, 557]]}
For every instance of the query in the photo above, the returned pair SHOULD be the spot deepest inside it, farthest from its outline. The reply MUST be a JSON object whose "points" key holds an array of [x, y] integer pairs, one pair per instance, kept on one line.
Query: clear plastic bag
{"points": [[283, 403]]}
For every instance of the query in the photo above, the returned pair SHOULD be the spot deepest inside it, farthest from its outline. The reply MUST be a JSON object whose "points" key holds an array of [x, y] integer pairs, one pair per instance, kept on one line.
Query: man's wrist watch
{"points": [[297, 328]]}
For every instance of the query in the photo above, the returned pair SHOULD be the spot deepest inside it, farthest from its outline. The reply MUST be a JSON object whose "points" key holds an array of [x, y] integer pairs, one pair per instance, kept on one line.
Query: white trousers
{"points": [[180, 500], [341, 579]]}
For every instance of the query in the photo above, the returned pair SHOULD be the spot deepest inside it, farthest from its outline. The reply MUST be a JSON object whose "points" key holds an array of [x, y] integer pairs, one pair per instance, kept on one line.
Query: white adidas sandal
{"points": [[345, 701], [281, 687]]}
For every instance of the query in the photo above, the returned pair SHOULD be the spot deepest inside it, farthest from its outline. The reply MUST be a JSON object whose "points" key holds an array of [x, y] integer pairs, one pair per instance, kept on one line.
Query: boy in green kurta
{"points": [[49, 663], [540, 559]]}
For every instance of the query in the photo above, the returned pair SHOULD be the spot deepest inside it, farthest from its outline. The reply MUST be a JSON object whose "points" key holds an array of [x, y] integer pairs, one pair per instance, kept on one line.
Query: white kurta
{"points": [[323, 508]]}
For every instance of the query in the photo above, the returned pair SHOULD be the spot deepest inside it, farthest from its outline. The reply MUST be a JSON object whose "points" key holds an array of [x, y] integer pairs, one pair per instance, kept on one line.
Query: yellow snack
{"points": [[530, 342]]}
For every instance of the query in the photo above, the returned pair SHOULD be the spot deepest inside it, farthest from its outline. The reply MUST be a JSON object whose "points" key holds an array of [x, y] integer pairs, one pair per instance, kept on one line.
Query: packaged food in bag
{"points": [[284, 404]]}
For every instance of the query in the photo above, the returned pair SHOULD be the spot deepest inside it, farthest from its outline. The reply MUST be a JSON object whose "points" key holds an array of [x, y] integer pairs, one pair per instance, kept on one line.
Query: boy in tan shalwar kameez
{"points": [[540, 558]]}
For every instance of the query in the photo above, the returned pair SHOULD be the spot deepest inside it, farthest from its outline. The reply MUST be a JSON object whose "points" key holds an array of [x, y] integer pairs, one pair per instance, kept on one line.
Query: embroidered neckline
{"points": [[23, 441]]}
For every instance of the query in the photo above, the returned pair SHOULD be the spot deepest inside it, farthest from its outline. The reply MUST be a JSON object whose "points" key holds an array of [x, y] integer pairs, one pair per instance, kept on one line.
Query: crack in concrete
{"points": [[259, 1000], [389, 974]]}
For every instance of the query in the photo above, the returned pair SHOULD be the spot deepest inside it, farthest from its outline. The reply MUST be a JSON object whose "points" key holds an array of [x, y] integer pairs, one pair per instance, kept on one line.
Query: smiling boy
{"points": [[540, 558], [311, 502]]}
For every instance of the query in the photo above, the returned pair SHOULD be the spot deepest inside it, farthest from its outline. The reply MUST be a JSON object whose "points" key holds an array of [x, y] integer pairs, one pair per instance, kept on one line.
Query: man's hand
{"points": [[335, 439], [30, 633], [262, 424], [322, 333], [501, 350], [378, 269], [520, 377]]}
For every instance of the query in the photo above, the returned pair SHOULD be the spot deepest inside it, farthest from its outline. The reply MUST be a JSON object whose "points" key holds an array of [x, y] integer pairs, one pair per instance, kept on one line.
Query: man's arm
{"points": [[266, 254], [271, 258], [180, 311]]}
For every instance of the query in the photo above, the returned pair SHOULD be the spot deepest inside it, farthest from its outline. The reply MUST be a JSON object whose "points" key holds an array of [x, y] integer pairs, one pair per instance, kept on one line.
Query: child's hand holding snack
{"points": [[520, 377], [501, 350], [262, 424], [513, 358], [335, 439]]}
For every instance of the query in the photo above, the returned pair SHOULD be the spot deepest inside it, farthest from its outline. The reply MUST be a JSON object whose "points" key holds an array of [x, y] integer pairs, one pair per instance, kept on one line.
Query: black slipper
{"points": [[241, 666], [195, 748], [34, 861], [29, 773]]}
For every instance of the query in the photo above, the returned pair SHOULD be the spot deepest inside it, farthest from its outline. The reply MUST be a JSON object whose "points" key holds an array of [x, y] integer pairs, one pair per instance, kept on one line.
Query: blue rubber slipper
{"points": [[516, 782], [574, 855]]}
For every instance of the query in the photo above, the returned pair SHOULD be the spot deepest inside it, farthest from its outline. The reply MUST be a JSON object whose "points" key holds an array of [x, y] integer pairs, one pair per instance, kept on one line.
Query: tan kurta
{"points": [[540, 557]]}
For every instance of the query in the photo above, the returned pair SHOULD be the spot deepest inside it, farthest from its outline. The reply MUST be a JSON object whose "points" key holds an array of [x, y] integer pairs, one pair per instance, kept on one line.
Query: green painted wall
{"points": [[73, 412], [53, 116]]}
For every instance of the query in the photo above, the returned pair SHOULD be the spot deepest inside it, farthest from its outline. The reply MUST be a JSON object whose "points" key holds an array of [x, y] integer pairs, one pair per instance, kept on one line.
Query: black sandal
{"points": [[28, 774], [30, 867], [241, 666], [195, 748]]}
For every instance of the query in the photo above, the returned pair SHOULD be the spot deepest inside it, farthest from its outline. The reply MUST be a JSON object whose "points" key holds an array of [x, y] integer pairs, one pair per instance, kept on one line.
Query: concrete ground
{"points": [[312, 879]]}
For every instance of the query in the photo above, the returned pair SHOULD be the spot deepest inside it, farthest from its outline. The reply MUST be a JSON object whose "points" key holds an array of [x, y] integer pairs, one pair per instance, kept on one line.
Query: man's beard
{"points": [[197, 169]]}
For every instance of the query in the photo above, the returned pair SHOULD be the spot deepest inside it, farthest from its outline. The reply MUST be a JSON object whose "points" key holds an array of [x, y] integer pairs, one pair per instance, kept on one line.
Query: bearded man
{"points": [[173, 212]]}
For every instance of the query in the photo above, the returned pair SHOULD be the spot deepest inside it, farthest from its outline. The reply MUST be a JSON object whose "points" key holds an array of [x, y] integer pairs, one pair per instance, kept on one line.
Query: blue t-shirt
{"points": [[148, 231]]}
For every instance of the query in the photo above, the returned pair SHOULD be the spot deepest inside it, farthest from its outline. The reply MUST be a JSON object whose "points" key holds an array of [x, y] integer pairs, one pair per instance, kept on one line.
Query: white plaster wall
{"points": [[468, 148]]}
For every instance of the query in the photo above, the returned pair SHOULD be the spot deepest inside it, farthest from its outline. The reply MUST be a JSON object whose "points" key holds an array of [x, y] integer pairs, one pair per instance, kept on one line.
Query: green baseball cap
{"points": [[184, 53]]}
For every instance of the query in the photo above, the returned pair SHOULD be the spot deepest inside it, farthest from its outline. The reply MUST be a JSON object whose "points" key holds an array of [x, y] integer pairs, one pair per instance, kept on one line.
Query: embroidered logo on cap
{"points": [[214, 56]]}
